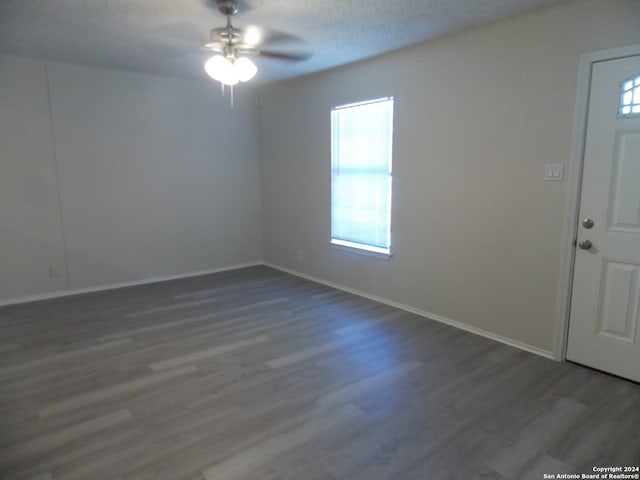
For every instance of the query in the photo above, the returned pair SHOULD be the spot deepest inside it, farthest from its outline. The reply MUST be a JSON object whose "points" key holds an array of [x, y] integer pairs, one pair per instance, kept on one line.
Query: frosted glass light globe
{"points": [[221, 69], [246, 69]]}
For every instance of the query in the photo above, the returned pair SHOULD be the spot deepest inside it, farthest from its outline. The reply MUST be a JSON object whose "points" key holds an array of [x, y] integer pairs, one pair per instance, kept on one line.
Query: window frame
{"points": [[632, 90], [354, 246]]}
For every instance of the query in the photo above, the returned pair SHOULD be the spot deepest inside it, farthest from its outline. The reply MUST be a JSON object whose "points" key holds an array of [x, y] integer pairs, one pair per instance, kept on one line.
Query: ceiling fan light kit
{"points": [[230, 71]]}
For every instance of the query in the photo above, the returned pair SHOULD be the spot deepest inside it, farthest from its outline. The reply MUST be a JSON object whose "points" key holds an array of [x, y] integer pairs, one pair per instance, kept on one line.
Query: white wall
{"points": [[30, 228], [476, 231], [157, 177]]}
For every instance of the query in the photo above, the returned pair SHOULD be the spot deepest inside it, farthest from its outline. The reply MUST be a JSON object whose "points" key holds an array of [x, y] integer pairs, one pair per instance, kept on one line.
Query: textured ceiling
{"points": [[163, 36]]}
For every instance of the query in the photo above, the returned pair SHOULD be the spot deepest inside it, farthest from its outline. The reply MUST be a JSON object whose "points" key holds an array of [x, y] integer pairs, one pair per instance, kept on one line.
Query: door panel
{"points": [[605, 305], [618, 312], [625, 189]]}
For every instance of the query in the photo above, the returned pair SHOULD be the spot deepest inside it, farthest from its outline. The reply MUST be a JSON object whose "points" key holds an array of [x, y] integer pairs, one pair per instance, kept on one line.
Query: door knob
{"points": [[585, 244]]}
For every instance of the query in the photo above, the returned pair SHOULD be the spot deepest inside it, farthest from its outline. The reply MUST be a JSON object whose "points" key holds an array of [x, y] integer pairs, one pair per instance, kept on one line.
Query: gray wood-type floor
{"points": [[256, 374]]}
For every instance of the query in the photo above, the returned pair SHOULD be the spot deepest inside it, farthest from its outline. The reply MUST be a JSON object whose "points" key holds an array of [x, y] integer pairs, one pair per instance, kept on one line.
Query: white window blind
{"points": [[361, 151]]}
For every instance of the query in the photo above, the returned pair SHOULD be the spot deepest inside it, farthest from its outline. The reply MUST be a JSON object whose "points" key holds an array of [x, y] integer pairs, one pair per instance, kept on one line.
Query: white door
{"points": [[604, 324]]}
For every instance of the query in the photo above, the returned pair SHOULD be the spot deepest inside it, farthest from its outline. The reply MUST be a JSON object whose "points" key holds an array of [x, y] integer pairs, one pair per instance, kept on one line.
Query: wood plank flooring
{"points": [[256, 374]]}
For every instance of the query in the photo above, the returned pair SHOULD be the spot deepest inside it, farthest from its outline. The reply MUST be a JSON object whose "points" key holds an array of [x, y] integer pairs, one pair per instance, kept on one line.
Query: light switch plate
{"points": [[553, 172]]}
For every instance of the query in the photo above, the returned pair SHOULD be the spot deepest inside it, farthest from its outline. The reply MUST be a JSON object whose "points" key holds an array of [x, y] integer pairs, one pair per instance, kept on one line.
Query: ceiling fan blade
{"points": [[255, 35], [291, 56], [252, 36]]}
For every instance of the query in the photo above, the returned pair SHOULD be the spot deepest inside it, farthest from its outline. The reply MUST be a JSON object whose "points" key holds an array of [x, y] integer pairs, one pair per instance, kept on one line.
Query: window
{"points": [[630, 96], [361, 145]]}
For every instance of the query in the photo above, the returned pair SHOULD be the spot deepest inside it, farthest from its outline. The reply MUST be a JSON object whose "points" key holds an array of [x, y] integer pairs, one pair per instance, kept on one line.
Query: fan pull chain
{"points": [[230, 93]]}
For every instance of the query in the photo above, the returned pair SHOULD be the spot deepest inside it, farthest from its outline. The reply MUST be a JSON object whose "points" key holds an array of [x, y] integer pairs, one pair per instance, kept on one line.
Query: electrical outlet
{"points": [[300, 255], [53, 271]]}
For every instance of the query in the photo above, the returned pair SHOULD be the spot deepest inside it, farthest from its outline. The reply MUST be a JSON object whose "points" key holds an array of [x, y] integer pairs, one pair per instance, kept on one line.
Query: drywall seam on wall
{"points": [[118, 177], [56, 168], [422, 313], [113, 286]]}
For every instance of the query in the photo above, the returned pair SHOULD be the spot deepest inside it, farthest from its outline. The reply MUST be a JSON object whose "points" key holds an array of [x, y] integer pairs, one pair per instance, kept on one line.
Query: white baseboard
{"points": [[432, 316], [112, 286]]}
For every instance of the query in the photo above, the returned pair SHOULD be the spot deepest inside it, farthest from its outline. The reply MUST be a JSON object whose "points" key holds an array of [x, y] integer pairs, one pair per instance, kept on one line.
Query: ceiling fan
{"points": [[233, 46]]}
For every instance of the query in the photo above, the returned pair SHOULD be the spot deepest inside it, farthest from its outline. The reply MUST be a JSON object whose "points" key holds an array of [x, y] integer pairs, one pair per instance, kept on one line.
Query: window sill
{"points": [[360, 251]]}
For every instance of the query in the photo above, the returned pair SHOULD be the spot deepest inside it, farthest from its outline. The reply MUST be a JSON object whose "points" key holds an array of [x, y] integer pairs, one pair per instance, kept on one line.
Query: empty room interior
{"points": [[331, 240]]}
